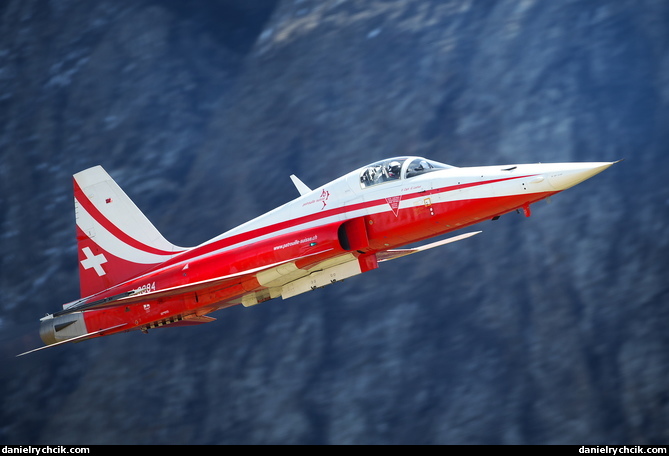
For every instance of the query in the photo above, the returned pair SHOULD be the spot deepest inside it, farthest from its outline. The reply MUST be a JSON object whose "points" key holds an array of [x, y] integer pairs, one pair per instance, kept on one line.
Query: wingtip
{"points": [[33, 350]]}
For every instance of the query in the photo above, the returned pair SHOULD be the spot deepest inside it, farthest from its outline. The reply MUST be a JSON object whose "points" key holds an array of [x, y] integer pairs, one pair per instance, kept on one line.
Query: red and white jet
{"points": [[131, 278]]}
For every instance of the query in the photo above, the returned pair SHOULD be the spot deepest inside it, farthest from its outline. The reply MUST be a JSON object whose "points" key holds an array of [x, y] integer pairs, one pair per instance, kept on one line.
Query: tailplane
{"points": [[115, 240]]}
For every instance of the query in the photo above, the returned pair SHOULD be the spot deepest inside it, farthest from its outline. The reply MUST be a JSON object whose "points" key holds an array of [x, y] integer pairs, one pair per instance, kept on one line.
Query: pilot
{"points": [[394, 168]]}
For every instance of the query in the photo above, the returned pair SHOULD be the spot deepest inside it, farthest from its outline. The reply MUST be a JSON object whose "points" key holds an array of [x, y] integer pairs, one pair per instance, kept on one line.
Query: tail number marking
{"points": [[146, 288]]}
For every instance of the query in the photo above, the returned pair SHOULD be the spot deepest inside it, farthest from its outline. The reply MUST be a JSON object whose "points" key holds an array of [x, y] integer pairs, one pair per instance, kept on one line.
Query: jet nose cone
{"points": [[567, 175]]}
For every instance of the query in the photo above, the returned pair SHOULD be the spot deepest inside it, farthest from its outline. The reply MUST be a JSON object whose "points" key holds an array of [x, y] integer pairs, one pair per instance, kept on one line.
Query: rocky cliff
{"points": [[550, 329]]}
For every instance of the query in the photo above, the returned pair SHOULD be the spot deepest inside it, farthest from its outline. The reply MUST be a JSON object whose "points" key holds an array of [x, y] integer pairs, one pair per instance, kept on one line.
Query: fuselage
{"points": [[410, 208], [338, 228]]}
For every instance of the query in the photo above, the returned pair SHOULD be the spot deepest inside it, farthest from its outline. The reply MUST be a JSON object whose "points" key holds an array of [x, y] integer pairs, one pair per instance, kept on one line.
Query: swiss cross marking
{"points": [[94, 261]]}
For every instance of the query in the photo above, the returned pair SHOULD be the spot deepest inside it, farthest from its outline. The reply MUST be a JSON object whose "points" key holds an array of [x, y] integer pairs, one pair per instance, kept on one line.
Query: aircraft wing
{"points": [[74, 339], [131, 297], [263, 273], [398, 253]]}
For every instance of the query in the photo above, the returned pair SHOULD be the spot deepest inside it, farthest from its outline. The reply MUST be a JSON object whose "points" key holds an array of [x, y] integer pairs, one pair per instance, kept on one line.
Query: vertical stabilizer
{"points": [[115, 240]]}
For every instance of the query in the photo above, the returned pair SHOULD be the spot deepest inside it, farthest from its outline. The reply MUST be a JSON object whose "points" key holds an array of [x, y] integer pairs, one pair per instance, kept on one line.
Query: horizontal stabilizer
{"points": [[397, 253], [74, 339]]}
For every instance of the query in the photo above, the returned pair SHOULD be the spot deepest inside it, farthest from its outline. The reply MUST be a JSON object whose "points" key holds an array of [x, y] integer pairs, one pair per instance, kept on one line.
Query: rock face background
{"points": [[551, 329]]}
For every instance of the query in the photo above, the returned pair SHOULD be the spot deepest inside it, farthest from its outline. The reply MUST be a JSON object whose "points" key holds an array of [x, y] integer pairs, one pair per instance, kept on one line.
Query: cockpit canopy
{"points": [[397, 168]]}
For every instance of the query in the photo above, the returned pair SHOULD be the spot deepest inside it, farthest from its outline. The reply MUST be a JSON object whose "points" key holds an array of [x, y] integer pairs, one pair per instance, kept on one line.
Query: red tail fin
{"points": [[115, 240]]}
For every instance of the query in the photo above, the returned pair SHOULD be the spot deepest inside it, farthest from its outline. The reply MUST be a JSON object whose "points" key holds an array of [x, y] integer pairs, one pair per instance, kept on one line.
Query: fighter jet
{"points": [[132, 278]]}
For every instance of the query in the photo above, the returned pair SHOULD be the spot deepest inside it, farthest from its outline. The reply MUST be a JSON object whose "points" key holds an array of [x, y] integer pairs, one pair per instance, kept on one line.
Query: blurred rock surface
{"points": [[550, 329]]}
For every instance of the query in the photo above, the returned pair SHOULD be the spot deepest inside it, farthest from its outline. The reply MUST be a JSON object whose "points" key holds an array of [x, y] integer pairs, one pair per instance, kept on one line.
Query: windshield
{"points": [[420, 165], [397, 168]]}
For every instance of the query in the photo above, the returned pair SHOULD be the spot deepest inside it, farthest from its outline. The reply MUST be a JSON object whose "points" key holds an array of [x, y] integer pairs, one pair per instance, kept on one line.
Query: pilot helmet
{"points": [[394, 167]]}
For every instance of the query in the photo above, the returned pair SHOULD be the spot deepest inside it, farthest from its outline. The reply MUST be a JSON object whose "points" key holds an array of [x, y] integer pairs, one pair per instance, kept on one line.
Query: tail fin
{"points": [[115, 240]]}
